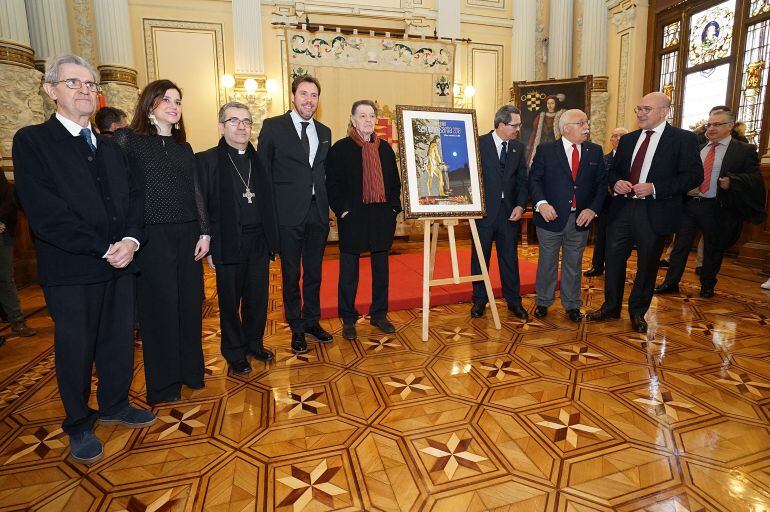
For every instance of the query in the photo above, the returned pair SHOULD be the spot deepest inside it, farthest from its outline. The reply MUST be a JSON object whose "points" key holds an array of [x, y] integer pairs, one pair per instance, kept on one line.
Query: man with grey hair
{"points": [[600, 225], [567, 184], [503, 161], [238, 192], [85, 213]]}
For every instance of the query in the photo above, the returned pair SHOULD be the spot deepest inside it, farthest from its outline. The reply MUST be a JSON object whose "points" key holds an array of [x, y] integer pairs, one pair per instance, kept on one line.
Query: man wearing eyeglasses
{"points": [[503, 161], [567, 184], [731, 168], [653, 169], [85, 213], [238, 192]]}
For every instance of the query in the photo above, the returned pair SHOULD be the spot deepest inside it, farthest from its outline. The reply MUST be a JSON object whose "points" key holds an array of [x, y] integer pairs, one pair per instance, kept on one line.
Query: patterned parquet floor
{"points": [[543, 415]]}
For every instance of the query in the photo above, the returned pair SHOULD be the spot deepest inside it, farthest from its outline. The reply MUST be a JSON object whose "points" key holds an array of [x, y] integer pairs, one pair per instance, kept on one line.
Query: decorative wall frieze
{"points": [[117, 74], [623, 14], [122, 96], [20, 104], [84, 33]]}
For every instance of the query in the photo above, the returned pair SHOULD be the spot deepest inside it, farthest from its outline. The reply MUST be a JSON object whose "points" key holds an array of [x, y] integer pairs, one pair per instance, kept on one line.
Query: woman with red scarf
{"points": [[364, 191]]}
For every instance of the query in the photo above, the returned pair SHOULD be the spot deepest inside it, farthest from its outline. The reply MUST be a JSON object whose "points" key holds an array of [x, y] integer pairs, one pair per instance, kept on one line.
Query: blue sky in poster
{"points": [[454, 148]]}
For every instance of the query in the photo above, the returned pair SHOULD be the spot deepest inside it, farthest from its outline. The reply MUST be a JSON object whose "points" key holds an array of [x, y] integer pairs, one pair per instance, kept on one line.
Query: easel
{"points": [[429, 263]]}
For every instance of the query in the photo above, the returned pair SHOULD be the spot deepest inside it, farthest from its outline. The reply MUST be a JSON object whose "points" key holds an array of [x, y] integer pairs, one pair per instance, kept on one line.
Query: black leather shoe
{"points": [[541, 311], [575, 315], [477, 310], [317, 332], [601, 314], [638, 323], [518, 311], [593, 272], [384, 325], [240, 367], [261, 354], [706, 293], [666, 288], [698, 270], [663, 264], [349, 331], [298, 343]]}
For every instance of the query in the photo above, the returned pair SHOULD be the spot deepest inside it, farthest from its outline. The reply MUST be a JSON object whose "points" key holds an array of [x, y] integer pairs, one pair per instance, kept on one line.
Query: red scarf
{"points": [[373, 190]]}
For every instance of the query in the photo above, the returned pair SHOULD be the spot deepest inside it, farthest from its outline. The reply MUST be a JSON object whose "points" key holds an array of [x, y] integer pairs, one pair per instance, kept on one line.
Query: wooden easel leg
{"points": [[483, 265], [433, 247], [427, 271], [450, 225]]}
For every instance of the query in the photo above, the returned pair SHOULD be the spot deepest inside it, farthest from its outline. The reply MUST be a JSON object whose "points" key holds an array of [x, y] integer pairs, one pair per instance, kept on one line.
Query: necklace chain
{"points": [[248, 179]]}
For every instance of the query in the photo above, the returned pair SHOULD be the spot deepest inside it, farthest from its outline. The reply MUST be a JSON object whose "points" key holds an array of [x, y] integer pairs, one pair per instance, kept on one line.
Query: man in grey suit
{"points": [[292, 148]]}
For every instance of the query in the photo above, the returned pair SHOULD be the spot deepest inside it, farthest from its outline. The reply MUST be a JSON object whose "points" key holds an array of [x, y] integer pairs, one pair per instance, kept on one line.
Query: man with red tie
{"points": [[653, 169], [724, 159], [567, 185]]}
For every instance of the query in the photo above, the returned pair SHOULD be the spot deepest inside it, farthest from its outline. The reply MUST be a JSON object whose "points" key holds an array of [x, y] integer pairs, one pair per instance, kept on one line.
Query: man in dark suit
{"points": [[567, 184], [600, 224], [653, 169], [293, 149], [244, 234], [85, 213], [503, 161], [723, 157]]}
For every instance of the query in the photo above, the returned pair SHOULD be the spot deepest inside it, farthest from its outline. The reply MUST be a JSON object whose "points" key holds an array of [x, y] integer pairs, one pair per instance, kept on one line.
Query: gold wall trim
{"points": [[117, 74], [490, 4], [16, 54], [151, 26]]}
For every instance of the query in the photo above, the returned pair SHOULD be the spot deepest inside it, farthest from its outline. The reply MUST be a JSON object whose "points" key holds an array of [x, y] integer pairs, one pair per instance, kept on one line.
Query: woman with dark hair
{"points": [[170, 283], [364, 192]]}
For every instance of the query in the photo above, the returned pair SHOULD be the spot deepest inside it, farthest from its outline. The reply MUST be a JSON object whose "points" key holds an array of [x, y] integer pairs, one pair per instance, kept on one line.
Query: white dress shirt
{"points": [[74, 128], [312, 135], [568, 152], [719, 156], [648, 156]]}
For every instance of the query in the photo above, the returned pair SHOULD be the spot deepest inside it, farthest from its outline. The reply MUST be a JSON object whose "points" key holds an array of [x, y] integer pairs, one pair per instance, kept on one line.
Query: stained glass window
{"points": [[703, 90], [754, 79], [711, 33], [759, 7], [668, 78], [671, 35]]}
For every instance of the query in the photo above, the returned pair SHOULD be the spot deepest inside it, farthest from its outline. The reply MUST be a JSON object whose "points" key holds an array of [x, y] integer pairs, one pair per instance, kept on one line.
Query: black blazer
{"points": [[550, 179], [676, 168], [65, 209], [281, 153], [366, 227], [511, 181], [224, 214], [745, 199]]}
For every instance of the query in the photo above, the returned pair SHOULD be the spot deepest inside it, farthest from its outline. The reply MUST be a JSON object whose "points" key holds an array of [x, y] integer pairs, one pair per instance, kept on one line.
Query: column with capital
{"points": [[593, 61], [20, 103], [116, 62], [250, 76], [560, 39], [523, 49]]}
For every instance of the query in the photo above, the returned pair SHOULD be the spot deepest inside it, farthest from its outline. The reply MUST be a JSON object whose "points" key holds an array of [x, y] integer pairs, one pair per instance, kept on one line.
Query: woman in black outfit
{"points": [[170, 283], [365, 193]]}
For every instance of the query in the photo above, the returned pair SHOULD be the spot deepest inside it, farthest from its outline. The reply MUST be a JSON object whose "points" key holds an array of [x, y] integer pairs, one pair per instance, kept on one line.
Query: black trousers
{"points": [[348, 286], [304, 245], [93, 323], [600, 242], [505, 235], [631, 226], [170, 291], [699, 215], [243, 289]]}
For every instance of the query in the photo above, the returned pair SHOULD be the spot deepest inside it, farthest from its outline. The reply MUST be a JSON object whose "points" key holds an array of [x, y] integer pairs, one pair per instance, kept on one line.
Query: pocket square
{"points": [[593, 163]]}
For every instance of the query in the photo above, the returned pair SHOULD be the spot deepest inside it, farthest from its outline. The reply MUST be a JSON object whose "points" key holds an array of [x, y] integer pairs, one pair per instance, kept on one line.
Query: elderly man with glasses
{"points": [[85, 212], [567, 184], [653, 168], [244, 234]]}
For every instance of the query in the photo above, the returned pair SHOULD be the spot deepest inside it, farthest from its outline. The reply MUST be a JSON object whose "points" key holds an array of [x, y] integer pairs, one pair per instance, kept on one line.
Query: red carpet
{"points": [[406, 282]]}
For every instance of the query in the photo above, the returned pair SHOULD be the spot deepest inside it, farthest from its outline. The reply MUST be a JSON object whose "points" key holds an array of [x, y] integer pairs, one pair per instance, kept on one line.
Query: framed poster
{"points": [[543, 103], [440, 170]]}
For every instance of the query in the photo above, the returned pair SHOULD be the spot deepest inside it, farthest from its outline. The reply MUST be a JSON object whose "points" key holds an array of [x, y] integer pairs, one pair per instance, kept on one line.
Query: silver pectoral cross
{"points": [[248, 194]]}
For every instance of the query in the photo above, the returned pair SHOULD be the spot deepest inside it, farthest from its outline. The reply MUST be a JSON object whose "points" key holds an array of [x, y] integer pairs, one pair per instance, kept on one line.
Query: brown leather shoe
{"points": [[638, 323], [601, 314], [22, 329]]}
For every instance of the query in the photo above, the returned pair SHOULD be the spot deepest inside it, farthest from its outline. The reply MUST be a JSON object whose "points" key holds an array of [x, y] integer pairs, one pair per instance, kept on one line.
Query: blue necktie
{"points": [[86, 133]]}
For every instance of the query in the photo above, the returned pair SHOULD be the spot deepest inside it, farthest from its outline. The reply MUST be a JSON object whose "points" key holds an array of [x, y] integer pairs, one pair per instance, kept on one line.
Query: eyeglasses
{"points": [[234, 121], [513, 125], [76, 83], [646, 110], [715, 125], [582, 122]]}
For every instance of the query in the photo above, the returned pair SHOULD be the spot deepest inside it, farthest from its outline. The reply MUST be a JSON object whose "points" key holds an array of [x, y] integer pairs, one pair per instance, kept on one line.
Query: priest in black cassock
{"points": [[244, 235]]}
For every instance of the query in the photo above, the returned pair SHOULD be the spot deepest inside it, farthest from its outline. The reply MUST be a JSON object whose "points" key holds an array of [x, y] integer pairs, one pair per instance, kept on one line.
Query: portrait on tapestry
{"points": [[440, 171], [543, 103]]}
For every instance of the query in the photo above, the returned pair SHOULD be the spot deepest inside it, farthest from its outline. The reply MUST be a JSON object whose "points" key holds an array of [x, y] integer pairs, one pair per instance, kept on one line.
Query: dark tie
{"points": [[304, 138], [86, 133], [636, 166], [503, 154], [574, 166]]}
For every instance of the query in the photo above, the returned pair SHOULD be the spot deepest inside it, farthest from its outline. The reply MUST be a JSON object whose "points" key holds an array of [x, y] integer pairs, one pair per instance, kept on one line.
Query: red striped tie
{"points": [[708, 167]]}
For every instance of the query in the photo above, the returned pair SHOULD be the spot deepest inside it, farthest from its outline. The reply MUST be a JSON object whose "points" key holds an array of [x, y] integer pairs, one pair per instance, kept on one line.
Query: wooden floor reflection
{"points": [[541, 415]]}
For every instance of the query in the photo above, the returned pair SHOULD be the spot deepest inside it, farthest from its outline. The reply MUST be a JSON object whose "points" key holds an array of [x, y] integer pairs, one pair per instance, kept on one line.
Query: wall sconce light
{"points": [[463, 94], [272, 86], [228, 81]]}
